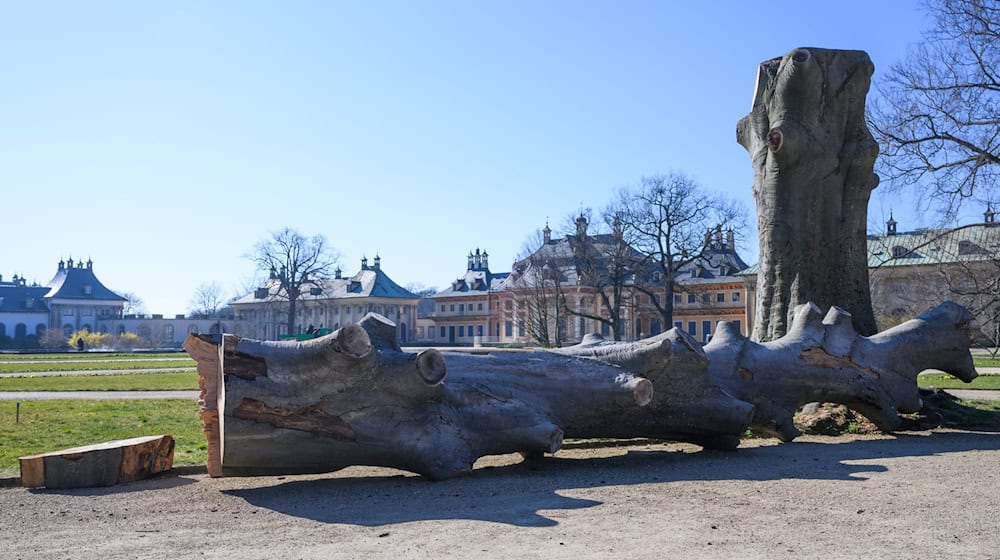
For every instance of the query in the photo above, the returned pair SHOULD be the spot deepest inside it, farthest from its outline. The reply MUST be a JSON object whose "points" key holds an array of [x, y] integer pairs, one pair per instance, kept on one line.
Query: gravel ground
{"points": [[929, 494]]}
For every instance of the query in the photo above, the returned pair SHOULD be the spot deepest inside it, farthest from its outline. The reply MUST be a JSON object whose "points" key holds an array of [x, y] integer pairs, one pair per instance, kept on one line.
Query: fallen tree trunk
{"points": [[823, 359], [354, 398]]}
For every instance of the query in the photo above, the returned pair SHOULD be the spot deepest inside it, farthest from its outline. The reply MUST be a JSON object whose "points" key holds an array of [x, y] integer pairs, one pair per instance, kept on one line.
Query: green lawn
{"points": [[169, 381], [7, 367], [12, 357], [52, 425], [985, 361], [945, 381]]}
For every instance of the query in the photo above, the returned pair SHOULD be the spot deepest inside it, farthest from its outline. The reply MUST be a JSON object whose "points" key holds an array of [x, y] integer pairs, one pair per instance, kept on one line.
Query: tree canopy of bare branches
{"points": [[293, 261], [207, 299], [938, 120], [665, 218]]}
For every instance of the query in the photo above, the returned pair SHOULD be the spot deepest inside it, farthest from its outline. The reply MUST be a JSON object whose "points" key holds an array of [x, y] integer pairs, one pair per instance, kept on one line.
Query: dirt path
{"points": [[920, 495]]}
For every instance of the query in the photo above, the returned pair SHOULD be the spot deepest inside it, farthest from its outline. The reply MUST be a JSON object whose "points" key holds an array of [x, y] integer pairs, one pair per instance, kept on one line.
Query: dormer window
{"points": [[898, 251], [966, 247], [88, 289]]}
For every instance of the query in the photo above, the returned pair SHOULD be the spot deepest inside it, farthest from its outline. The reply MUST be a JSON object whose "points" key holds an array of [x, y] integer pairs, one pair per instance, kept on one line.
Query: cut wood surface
{"points": [[101, 464]]}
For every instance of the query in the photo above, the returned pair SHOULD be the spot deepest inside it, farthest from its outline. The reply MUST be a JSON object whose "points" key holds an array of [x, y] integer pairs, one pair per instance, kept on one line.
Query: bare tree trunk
{"points": [[813, 156], [354, 398]]}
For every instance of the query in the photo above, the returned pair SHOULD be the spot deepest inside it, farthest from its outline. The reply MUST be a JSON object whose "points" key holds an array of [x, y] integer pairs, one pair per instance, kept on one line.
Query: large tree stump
{"points": [[812, 155], [101, 464], [354, 398]]}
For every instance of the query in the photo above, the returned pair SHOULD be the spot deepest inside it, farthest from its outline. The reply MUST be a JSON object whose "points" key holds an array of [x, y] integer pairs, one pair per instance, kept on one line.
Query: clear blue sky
{"points": [[163, 140]]}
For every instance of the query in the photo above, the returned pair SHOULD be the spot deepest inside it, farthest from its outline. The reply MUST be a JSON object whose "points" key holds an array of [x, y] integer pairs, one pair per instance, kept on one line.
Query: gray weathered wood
{"points": [[102, 464], [354, 398], [812, 155]]}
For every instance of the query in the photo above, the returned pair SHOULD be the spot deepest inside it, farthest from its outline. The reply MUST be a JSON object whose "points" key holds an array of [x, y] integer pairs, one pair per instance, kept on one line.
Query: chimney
{"points": [[378, 262], [62, 264], [486, 260], [471, 260], [731, 240], [718, 236], [479, 259], [364, 263]]}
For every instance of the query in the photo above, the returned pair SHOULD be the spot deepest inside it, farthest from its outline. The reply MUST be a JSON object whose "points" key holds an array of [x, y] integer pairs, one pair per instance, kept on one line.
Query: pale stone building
{"points": [[330, 304]]}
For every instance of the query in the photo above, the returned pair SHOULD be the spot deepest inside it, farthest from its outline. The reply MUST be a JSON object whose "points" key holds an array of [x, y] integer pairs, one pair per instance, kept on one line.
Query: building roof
{"points": [[369, 282], [718, 261], [976, 242], [79, 282], [478, 279], [19, 297]]}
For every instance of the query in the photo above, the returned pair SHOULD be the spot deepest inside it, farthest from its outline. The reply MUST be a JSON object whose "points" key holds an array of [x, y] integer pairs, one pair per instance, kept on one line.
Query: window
{"points": [[479, 330], [679, 325], [443, 333], [442, 308], [461, 331], [738, 325], [68, 312], [692, 298], [706, 331], [720, 297], [900, 251], [508, 328], [654, 327], [736, 297], [479, 307], [452, 307], [605, 329], [692, 328], [469, 330], [461, 307]]}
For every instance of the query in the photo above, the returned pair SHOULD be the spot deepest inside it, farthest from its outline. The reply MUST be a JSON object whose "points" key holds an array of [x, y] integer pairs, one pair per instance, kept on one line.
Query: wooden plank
{"points": [[102, 464]]}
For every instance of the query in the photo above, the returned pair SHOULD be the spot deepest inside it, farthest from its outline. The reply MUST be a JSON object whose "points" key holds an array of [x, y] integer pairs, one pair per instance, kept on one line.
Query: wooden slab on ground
{"points": [[101, 464]]}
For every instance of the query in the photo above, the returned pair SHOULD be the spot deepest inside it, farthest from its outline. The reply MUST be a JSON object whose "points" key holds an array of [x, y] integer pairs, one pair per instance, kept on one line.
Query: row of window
{"points": [[462, 308], [707, 298], [453, 332]]}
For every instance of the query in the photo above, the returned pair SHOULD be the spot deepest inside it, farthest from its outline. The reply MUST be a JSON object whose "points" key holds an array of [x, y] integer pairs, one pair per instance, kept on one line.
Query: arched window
{"points": [[68, 330], [898, 251], [86, 327], [121, 330], [168, 333], [39, 330], [20, 331], [192, 328], [3, 330]]}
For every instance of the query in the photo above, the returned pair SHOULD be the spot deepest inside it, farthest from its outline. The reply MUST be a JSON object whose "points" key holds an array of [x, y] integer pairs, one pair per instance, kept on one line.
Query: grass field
{"points": [[116, 365], [945, 381], [168, 381], [52, 425], [52, 356]]}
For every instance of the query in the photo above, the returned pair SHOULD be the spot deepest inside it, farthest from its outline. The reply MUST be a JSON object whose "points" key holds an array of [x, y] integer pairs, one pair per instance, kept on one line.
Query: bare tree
{"points": [[207, 300], [938, 121], [606, 264], [292, 262], [536, 284], [665, 218], [133, 304]]}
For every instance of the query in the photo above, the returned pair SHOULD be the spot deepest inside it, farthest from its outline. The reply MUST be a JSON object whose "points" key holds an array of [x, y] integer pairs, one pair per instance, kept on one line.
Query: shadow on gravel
{"points": [[516, 494], [160, 482]]}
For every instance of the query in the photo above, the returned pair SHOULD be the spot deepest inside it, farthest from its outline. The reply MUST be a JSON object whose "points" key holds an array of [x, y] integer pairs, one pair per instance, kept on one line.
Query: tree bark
{"points": [[102, 464], [813, 159], [354, 398], [823, 359]]}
